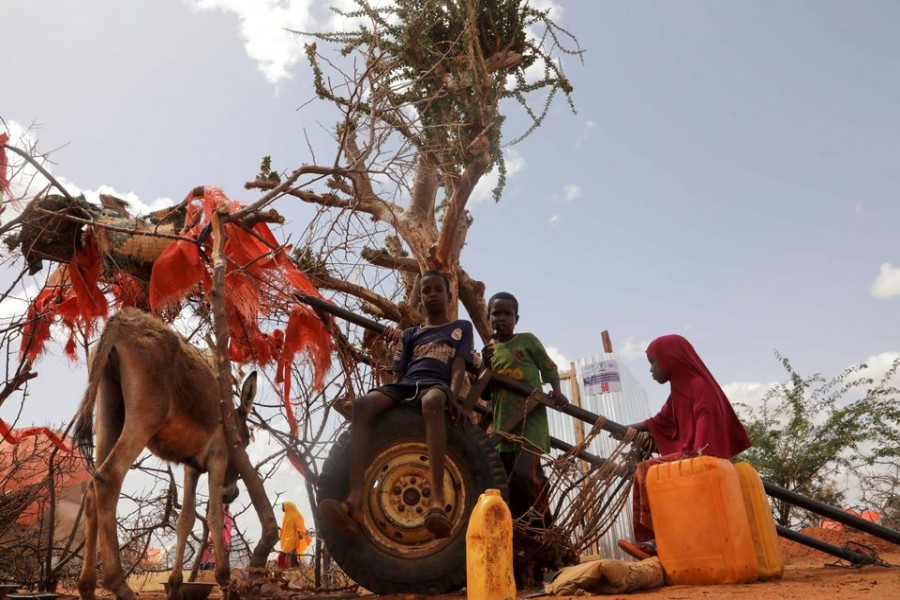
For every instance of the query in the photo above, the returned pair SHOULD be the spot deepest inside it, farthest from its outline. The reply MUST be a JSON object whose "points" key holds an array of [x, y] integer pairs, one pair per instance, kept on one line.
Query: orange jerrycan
{"points": [[489, 550], [702, 533], [762, 526]]}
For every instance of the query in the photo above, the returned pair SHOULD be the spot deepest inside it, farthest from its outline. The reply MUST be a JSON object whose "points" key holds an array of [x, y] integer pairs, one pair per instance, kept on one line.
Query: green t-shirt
{"points": [[524, 359]]}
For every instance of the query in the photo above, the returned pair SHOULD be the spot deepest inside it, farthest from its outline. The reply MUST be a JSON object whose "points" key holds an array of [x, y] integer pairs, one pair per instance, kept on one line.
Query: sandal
{"points": [[337, 514], [633, 550], [648, 547], [438, 523]]}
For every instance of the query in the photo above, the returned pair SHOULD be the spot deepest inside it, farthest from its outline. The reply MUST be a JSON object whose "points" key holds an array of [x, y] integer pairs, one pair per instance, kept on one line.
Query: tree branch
{"points": [[455, 211], [383, 258], [385, 306], [471, 294]]}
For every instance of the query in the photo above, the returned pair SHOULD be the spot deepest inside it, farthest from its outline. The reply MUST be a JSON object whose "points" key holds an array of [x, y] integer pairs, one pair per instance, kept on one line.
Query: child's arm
{"points": [[402, 355], [549, 372], [457, 372], [559, 399]]}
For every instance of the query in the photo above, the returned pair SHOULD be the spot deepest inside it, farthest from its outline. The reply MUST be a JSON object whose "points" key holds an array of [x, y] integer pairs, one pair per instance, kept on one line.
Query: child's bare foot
{"points": [[438, 523], [340, 515], [633, 549]]}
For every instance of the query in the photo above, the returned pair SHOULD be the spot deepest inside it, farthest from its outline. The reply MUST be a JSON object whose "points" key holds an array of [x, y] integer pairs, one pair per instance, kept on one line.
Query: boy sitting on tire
{"points": [[428, 369]]}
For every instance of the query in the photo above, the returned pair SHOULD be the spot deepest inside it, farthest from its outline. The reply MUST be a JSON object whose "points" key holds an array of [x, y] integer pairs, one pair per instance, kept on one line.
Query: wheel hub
{"points": [[400, 497]]}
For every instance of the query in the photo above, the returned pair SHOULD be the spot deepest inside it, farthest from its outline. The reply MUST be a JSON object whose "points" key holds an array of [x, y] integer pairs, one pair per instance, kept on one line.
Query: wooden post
{"points": [[575, 398], [236, 451], [607, 343]]}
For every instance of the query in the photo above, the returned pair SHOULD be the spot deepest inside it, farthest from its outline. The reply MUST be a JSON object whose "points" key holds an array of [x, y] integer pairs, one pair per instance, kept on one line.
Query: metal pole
{"points": [[577, 412], [504, 382], [836, 514], [849, 554]]}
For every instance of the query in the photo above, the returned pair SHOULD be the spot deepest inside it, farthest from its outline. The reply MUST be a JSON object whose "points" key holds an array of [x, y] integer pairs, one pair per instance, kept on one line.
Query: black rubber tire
{"points": [[429, 568]]}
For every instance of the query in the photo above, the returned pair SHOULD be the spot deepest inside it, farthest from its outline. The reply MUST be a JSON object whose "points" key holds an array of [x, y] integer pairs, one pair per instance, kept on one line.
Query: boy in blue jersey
{"points": [[428, 368]]}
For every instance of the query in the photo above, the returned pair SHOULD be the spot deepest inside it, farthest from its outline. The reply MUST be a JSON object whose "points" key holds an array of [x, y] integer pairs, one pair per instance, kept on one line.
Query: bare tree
{"points": [[420, 90]]}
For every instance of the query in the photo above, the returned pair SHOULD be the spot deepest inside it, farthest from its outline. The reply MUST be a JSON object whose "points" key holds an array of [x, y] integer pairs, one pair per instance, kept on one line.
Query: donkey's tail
{"points": [[83, 431], [98, 361]]}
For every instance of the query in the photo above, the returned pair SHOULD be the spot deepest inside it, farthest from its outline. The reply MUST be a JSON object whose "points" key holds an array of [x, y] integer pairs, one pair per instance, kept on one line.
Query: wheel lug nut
{"points": [[426, 492], [396, 490], [412, 480], [401, 508], [419, 509]]}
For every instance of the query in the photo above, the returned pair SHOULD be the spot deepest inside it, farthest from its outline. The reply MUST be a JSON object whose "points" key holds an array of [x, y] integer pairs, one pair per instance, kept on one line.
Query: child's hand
{"points": [[487, 354], [457, 413], [559, 400]]}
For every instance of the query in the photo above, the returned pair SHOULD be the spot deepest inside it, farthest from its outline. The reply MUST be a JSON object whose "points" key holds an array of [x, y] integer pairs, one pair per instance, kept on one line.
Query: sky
{"points": [[731, 173]]}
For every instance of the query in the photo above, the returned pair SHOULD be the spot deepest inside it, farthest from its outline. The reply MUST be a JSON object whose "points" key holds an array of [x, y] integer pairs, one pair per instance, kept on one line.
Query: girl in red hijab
{"points": [[696, 419]]}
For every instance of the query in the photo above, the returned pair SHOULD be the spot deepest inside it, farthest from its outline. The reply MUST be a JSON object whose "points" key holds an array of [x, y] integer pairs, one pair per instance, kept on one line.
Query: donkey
{"points": [[152, 389]]}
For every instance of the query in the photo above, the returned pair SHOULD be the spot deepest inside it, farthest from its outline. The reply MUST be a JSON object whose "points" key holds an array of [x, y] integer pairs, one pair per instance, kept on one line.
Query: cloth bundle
{"points": [[607, 576]]}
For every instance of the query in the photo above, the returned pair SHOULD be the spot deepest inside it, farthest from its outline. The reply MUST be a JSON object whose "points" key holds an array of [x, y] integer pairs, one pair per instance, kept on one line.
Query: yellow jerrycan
{"points": [[489, 550], [702, 532], [762, 526]]}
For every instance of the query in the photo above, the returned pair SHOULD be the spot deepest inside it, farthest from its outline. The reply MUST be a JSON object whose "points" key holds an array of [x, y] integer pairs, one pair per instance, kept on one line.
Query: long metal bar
{"points": [[831, 512], [501, 380], [577, 412], [849, 554]]}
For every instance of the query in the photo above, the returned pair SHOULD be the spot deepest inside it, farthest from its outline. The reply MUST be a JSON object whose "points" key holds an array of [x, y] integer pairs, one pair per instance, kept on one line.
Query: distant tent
{"points": [[868, 515]]}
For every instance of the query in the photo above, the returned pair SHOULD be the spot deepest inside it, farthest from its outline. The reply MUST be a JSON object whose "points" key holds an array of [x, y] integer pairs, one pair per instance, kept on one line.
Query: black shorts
{"points": [[401, 393]]}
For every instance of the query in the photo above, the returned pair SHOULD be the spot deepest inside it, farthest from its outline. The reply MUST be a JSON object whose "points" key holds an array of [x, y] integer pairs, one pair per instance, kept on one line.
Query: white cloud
{"points": [[747, 394], [556, 356], [879, 364], [484, 190], [887, 283], [556, 221], [632, 350], [572, 191], [135, 205], [588, 128], [263, 25]]}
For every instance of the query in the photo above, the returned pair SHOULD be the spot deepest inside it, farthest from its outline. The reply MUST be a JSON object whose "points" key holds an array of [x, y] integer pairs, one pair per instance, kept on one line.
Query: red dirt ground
{"points": [[806, 577]]}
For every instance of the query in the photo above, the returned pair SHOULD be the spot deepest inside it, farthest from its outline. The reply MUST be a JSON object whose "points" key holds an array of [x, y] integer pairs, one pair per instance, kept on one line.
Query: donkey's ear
{"points": [[248, 394]]}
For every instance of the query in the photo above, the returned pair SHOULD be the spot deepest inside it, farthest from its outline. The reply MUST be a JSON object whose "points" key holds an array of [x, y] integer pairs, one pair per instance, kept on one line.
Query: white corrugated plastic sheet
{"points": [[625, 407]]}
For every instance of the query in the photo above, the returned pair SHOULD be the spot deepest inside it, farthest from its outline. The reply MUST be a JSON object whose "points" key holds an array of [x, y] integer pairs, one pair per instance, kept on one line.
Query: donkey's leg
{"points": [[108, 485], [214, 512], [87, 581], [108, 422], [183, 529]]}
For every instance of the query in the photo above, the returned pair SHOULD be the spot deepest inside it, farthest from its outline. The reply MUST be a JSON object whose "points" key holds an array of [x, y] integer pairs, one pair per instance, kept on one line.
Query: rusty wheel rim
{"points": [[400, 496]]}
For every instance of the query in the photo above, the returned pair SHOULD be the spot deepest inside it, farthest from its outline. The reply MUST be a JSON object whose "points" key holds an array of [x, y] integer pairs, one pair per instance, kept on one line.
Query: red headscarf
{"points": [[697, 417]]}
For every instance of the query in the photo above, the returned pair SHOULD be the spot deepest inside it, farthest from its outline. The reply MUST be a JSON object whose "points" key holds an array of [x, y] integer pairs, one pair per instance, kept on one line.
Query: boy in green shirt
{"points": [[522, 357]]}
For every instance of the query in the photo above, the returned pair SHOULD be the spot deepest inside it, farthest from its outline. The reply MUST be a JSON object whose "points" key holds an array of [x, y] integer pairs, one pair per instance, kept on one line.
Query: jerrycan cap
{"points": [[492, 492]]}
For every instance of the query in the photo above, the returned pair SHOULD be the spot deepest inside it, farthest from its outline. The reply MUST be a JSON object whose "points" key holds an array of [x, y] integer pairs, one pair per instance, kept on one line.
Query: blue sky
{"points": [[731, 173]]}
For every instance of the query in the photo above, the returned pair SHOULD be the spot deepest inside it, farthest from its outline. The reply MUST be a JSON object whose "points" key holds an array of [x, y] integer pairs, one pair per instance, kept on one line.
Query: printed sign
{"points": [[602, 377]]}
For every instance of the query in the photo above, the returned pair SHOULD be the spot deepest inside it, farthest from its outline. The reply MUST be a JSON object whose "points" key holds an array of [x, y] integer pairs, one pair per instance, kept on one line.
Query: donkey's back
{"points": [[143, 371], [149, 388]]}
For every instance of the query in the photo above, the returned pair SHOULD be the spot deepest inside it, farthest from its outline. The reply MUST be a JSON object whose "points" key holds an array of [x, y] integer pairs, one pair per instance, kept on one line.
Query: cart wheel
{"points": [[394, 553]]}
